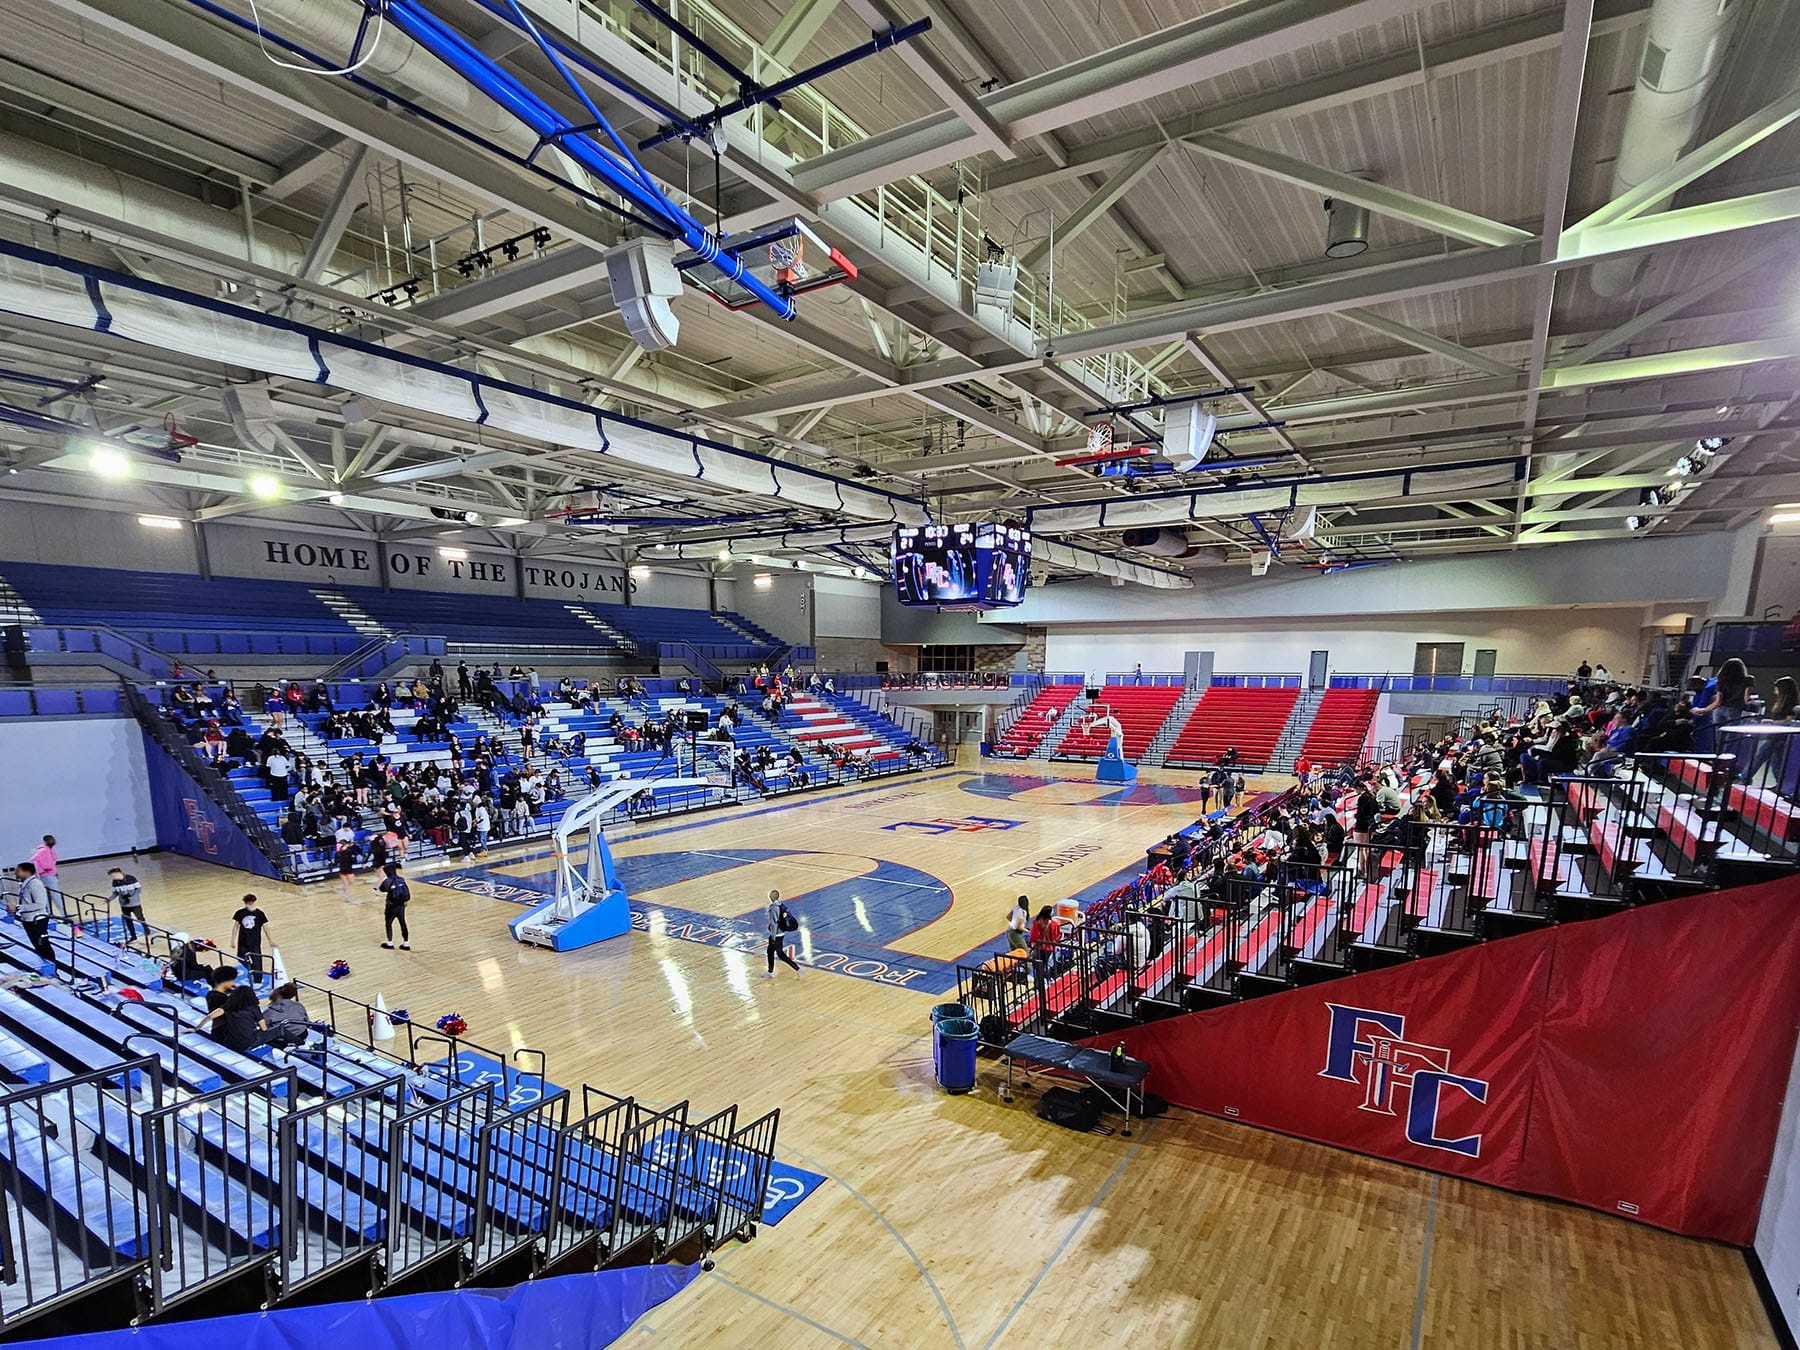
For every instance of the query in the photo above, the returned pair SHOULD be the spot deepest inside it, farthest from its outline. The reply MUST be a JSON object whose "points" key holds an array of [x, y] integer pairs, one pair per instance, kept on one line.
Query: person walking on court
{"points": [[781, 923], [129, 892], [398, 893], [250, 923], [32, 908]]}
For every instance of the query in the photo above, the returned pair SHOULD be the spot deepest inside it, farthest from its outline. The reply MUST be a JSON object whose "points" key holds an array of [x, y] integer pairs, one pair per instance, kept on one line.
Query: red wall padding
{"points": [[1635, 1064]]}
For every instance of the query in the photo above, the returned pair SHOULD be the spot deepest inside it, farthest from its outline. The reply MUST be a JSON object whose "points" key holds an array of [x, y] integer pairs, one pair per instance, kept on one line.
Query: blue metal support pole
{"points": [[552, 128]]}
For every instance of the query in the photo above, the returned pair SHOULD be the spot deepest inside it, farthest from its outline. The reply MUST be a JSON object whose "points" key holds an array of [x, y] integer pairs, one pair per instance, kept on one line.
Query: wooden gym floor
{"points": [[962, 1221]]}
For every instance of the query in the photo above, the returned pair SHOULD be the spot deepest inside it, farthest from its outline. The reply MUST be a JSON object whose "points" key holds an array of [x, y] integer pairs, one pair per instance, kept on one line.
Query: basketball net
{"points": [[787, 256]]}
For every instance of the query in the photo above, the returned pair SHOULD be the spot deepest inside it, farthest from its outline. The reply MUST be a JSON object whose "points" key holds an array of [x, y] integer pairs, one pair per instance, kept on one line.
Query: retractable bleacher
{"points": [[1340, 727], [1229, 716], [143, 1165], [1035, 720], [1141, 711], [143, 603]]}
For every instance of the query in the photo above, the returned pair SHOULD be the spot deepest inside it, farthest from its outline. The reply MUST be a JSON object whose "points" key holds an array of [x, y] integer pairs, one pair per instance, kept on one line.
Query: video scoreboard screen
{"points": [[985, 566]]}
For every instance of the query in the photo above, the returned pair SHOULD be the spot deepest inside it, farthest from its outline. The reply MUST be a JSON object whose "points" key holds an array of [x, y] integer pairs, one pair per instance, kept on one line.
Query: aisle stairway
{"points": [[350, 612], [1293, 731], [622, 643], [1158, 752]]}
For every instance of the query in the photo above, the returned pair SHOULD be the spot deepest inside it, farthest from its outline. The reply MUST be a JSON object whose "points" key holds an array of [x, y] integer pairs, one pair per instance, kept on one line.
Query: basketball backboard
{"points": [[788, 257]]}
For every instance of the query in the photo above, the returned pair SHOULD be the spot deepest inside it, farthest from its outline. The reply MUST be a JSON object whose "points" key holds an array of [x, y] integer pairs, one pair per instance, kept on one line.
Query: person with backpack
{"points": [[396, 890], [781, 923]]}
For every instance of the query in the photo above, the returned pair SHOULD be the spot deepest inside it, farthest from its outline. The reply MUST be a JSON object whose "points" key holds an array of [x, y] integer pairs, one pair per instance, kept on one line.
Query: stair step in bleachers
{"points": [[1228, 716], [1035, 720], [1340, 727], [1141, 711]]}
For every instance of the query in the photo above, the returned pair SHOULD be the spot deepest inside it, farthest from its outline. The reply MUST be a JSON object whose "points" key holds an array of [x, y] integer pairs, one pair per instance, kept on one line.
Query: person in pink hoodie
{"points": [[44, 859]]}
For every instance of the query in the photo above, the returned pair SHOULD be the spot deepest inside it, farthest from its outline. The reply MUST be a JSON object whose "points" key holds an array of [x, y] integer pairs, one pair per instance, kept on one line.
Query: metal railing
{"points": [[63, 1238], [211, 781]]}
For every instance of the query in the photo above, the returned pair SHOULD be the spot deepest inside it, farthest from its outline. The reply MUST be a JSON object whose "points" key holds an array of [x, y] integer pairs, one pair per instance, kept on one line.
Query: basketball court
{"points": [[640, 532], [948, 1221]]}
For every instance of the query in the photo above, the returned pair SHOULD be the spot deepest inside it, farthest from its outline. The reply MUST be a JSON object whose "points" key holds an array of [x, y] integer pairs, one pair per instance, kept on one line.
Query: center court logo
{"points": [[1370, 1048], [960, 825]]}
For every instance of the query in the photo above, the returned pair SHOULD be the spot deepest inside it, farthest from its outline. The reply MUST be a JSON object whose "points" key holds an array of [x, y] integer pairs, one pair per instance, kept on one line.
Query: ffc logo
{"points": [[1370, 1049], [201, 824], [964, 825]]}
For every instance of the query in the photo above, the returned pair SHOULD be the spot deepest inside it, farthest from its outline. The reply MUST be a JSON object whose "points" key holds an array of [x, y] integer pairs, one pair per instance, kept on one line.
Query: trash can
{"points": [[953, 1050], [944, 1010]]}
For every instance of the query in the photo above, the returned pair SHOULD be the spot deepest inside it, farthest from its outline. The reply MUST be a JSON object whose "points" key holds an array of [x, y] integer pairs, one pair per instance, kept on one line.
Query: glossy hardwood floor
{"points": [[962, 1221]]}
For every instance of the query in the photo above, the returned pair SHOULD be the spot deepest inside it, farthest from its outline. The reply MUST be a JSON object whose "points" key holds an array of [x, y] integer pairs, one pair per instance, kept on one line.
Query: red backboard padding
{"points": [[1635, 1064]]}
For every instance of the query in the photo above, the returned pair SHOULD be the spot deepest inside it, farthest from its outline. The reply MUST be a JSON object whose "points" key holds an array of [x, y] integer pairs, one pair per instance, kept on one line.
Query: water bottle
{"points": [[1118, 1057]]}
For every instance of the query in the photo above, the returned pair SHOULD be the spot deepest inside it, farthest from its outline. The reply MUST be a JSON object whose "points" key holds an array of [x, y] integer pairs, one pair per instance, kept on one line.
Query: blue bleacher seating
{"points": [[169, 600]]}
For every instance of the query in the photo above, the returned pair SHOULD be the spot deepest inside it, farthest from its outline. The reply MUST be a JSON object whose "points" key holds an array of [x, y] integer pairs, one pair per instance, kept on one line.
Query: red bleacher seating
{"points": [[1039, 716], [1340, 727], [1141, 710], [1250, 719]]}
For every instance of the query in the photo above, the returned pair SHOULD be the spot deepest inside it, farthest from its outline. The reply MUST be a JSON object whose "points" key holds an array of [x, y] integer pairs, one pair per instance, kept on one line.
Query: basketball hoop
{"points": [[787, 256], [1100, 438]]}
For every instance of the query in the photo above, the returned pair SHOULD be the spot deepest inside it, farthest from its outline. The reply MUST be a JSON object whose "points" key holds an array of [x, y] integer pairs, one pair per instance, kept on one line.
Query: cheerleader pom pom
{"points": [[337, 970], [399, 1015], [452, 1024]]}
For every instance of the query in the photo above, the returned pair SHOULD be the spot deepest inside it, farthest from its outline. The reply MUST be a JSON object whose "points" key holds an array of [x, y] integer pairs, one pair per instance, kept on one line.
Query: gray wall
{"points": [[82, 779]]}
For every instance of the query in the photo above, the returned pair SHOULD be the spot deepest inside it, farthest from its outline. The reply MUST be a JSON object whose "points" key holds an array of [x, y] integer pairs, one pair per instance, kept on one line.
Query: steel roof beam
{"points": [[1427, 342], [1099, 202], [936, 75], [1388, 201], [1131, 73]]}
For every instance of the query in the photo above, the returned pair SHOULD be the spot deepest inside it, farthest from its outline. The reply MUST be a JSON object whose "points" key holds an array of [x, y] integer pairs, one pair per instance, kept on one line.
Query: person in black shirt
{"points": [[238, 1024], [220, 984], [250, 924], [398, 893]]}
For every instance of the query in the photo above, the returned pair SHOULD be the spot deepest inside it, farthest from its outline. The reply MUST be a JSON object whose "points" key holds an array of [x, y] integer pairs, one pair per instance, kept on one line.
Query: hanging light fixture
{"points": [[1346, 228]]}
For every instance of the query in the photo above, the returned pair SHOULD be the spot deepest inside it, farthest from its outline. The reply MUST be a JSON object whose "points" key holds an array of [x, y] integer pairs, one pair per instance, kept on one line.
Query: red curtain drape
{"points": [[1635, 1064]]}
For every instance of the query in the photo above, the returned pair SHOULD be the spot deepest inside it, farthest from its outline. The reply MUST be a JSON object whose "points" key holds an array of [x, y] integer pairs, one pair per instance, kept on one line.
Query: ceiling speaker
{"points": [[644, 281]]}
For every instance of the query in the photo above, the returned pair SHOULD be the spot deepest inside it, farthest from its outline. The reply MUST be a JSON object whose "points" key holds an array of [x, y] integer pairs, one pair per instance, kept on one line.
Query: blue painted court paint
{"points": [[712, 1163], [845, 925], [788, 1186], [472, 1070], [1005, 787]]}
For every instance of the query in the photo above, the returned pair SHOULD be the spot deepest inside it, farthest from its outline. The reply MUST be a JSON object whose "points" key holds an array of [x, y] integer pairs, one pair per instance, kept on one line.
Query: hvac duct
{"points": [[329, 27], [1684, 43], [102, 192], [95, 189], [1161, 543]]}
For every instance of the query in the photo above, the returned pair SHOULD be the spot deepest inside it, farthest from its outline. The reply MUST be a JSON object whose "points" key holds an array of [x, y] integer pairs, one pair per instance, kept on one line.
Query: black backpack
{"points": [[786, 921]]}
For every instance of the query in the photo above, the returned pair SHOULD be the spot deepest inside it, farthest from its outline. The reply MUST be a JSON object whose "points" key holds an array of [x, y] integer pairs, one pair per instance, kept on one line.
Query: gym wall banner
{"points": [[1634, 1064], [188, 821]]}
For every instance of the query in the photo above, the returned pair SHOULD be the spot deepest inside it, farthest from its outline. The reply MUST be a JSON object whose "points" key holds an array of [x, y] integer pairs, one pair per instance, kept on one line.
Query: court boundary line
{"points": [[1069, 1237], [905, 1246], [716, 1274], [1418, 1330]]}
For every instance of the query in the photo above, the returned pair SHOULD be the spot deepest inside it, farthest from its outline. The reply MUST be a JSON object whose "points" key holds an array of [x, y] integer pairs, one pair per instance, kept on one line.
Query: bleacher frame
{"points": [[248, 1194], [1594, 846]]}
